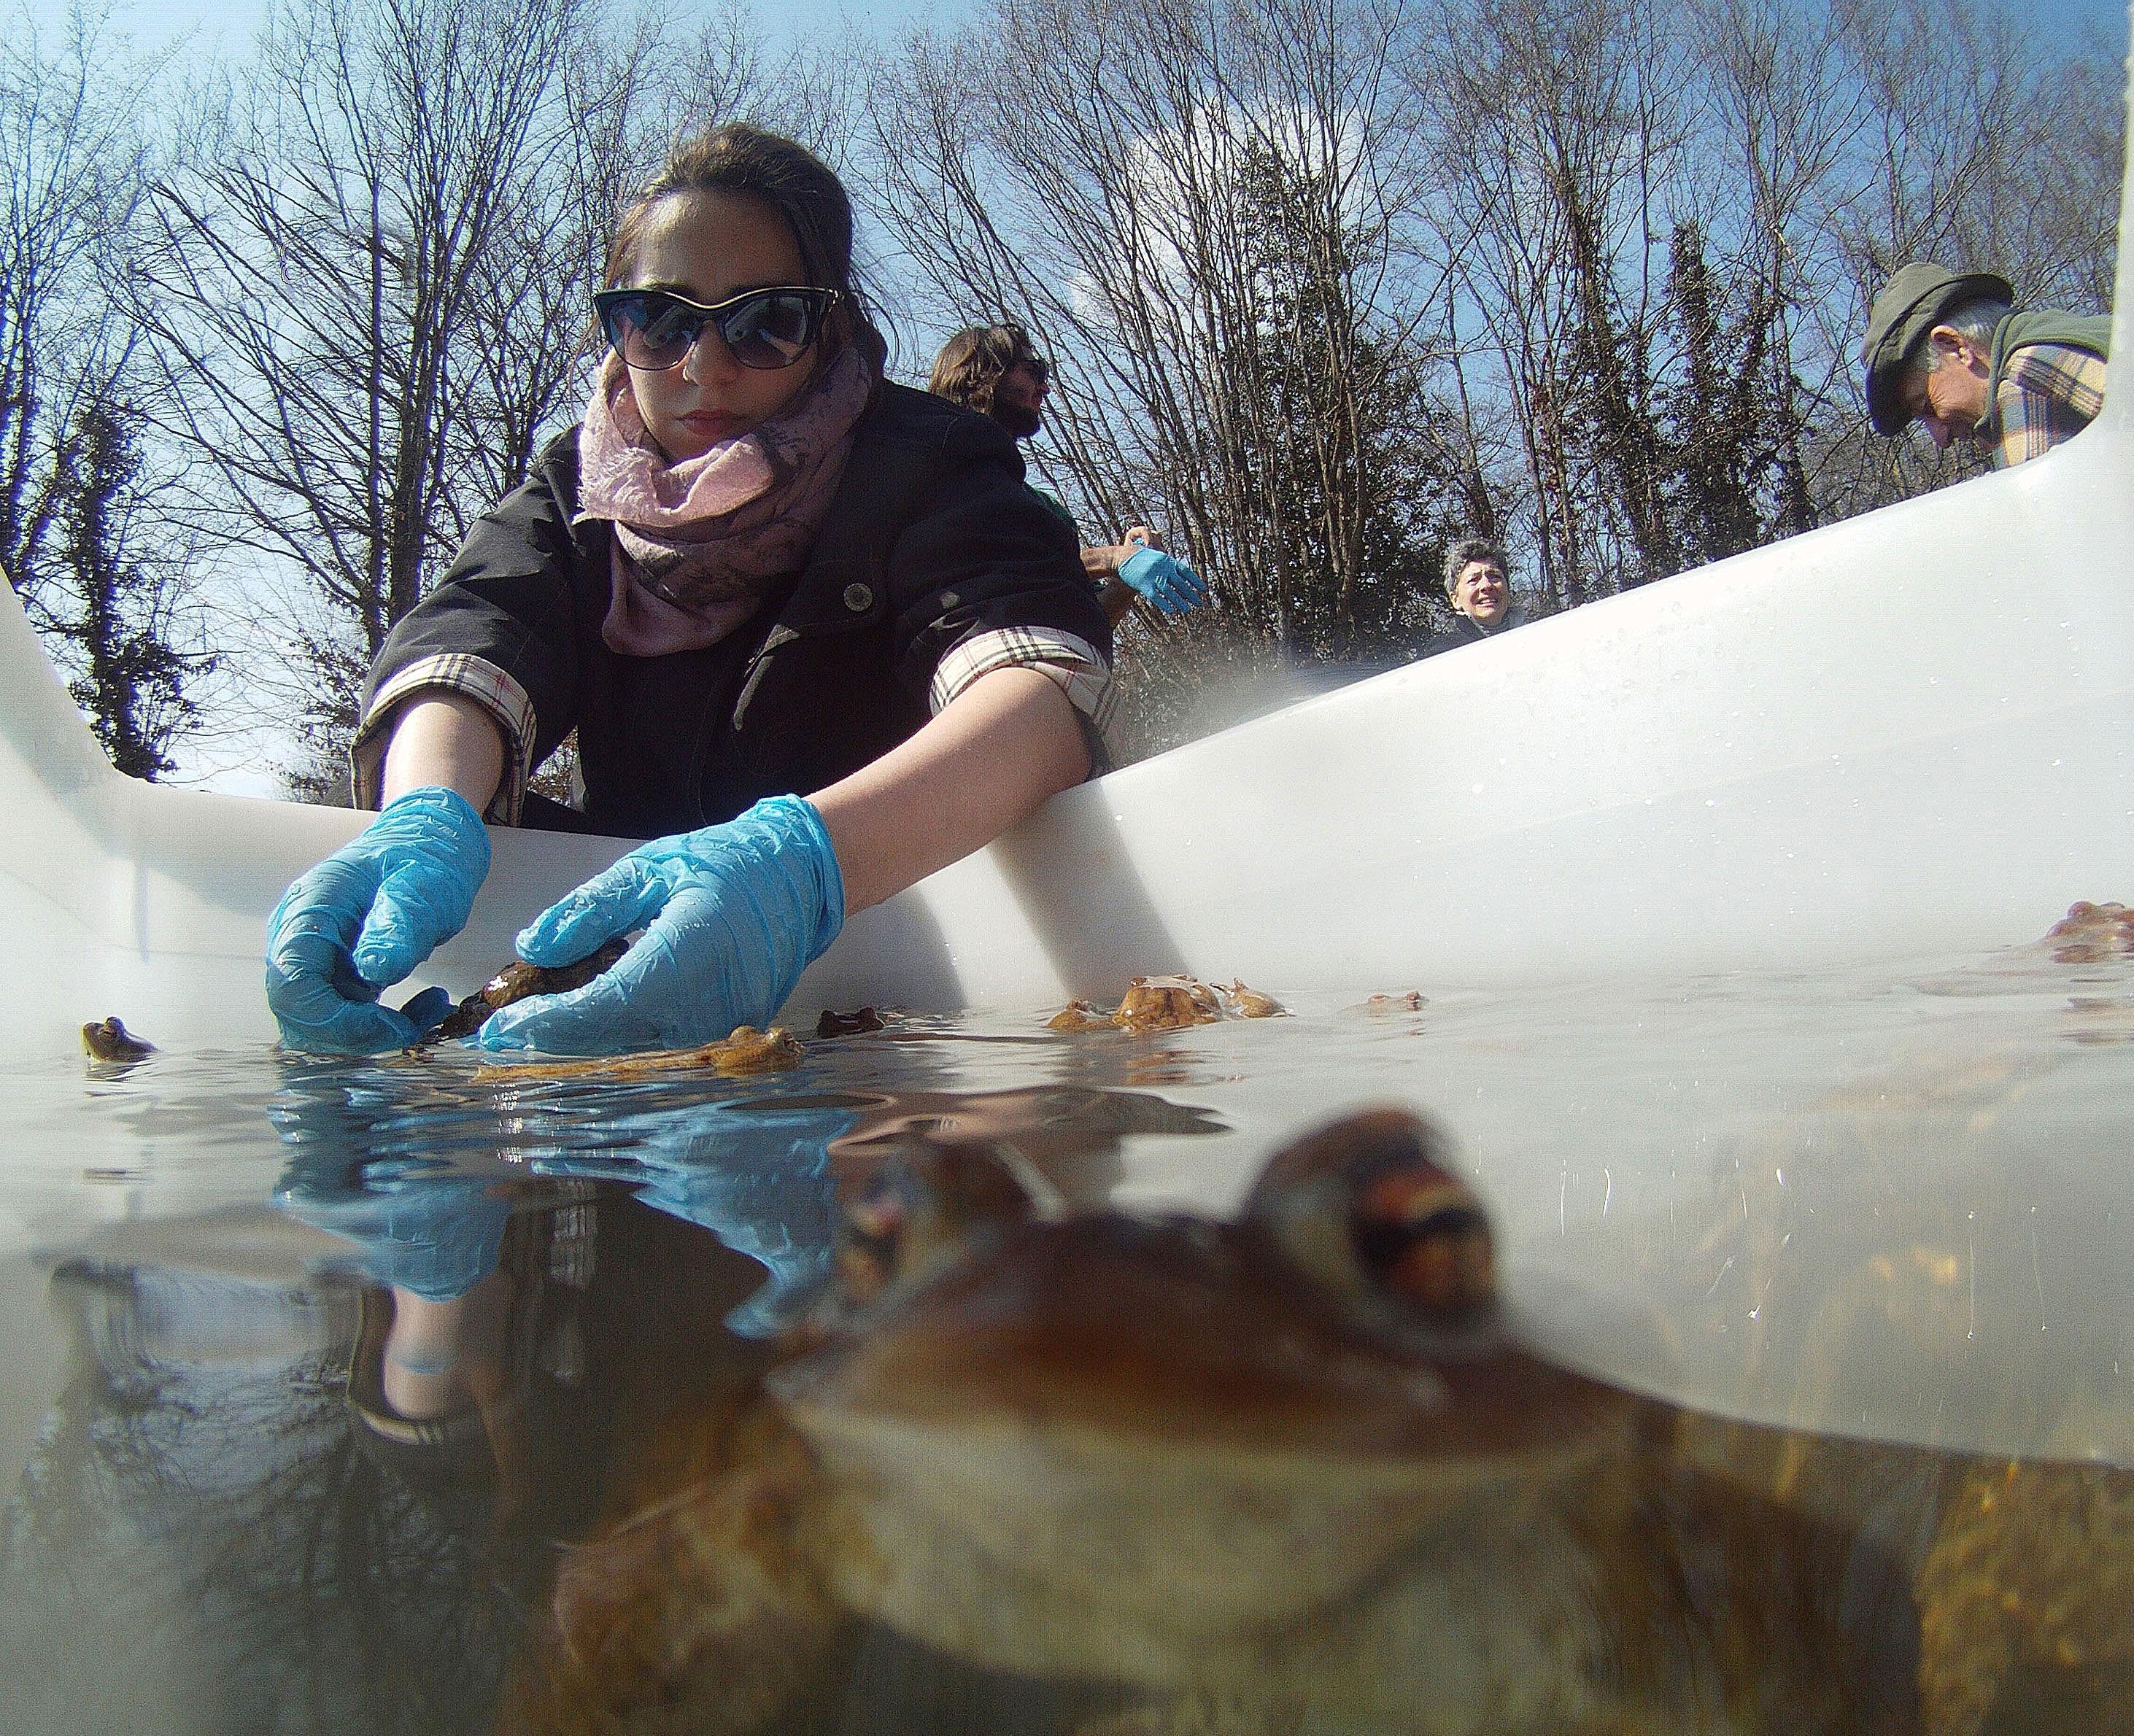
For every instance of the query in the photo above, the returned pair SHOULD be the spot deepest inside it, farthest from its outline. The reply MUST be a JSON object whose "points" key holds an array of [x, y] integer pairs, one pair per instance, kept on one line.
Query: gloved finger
{"points": [[624, 896], [356, 1029], [1154, 575], [427, 1010], [403, 926], [729, 939], [308, 965], [1181, 587], [312, 1017], [329, 899]]}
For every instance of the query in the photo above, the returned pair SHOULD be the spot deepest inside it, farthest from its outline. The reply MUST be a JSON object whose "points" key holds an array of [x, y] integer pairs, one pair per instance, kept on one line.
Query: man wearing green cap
{"points": [[1945, 349]]}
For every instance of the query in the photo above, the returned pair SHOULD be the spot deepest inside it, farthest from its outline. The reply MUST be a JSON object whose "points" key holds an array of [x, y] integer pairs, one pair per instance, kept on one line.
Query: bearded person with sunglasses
{"points": [[815, 637]]}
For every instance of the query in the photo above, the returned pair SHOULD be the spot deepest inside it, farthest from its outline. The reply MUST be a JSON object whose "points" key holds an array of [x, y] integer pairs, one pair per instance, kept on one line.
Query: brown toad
{"points": [[108, 1039], [1294, 1470], [1168, 1003], [516, 982]]}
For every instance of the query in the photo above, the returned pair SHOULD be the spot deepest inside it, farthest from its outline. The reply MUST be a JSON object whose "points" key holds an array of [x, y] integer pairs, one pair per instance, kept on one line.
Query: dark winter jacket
{"points": [[1466, 630], [932, 538]]}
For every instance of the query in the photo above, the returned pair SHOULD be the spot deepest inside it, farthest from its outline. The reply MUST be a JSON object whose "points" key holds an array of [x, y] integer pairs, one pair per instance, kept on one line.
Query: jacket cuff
{"points": [[469, 678], [1077, 667]]}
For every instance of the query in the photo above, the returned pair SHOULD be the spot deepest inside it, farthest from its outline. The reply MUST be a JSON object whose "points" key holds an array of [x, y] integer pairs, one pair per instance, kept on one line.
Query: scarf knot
{"points": [[699, 544]]}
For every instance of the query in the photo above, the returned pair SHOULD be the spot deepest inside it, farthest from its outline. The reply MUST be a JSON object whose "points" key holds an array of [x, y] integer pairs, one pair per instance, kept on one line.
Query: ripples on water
{"points": [[364, 1396]]}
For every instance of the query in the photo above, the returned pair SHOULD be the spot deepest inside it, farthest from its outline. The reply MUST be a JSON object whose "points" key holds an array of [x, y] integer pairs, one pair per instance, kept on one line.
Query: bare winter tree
{"points": [[2075, 163], [317, 272], [1781, 114], [1559, 129], [106, 577], [1197, 206], [73, 154], [1664, 227]]}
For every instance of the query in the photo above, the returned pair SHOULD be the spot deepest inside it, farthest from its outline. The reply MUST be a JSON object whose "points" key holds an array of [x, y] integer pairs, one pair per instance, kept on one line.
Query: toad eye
{"points": [[1366, 1209], [1421, 1237], [920, 1208]]}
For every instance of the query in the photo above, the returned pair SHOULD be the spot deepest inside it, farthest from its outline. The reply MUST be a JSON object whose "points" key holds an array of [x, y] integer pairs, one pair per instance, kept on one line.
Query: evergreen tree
{"points": [[1733, 435], [1354, 490], [133, 677]]}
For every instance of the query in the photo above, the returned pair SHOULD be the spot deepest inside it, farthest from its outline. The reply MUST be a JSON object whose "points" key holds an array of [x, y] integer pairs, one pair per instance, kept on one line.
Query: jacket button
{"points": [[859, 598]]}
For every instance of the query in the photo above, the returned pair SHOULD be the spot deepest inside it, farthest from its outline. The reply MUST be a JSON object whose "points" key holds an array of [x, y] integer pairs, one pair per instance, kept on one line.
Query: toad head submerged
{"points": [[1296, 1458], [1206, 1425], [1107, 1447]]}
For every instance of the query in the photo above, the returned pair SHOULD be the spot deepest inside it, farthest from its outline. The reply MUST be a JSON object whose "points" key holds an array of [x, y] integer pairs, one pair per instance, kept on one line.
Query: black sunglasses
{"points": [[654, 329]]}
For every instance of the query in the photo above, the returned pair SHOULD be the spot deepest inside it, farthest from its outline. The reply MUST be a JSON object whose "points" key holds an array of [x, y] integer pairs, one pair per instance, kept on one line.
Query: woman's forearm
{"points": [[442, 739], [988, 760]]}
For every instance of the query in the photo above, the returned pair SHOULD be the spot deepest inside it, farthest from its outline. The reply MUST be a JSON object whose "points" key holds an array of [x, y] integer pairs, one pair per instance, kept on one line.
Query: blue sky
{"points": [[157, 23], [224, 29]]}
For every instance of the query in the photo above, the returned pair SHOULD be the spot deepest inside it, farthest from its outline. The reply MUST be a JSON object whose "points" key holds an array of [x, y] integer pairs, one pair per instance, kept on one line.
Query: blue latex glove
{"points": [[1169, 584], [735, 913], [369, 915]]}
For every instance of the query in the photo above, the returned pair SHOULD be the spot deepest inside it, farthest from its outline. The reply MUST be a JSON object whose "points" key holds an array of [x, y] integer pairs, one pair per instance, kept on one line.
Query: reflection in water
{"points": [[242, 1498], [573, 1432], [417, 1186], [202, 1542]]}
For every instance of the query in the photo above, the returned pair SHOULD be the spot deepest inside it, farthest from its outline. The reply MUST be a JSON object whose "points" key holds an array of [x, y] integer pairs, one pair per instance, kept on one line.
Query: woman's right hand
{"points": [[367, 916], [732, 915]]}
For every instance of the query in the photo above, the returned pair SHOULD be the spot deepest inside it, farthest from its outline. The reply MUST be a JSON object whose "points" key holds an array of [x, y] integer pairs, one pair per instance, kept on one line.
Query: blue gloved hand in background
{"points": [[369, 915], [735, 913], [1171, 585]]}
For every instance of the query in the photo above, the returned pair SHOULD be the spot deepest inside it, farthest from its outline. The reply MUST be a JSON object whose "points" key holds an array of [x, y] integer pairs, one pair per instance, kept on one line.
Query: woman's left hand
{"points": [[732, 915]]}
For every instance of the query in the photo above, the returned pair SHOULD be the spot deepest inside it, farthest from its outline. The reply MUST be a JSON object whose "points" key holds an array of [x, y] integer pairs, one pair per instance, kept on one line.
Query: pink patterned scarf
{"points": [[698, 544]]}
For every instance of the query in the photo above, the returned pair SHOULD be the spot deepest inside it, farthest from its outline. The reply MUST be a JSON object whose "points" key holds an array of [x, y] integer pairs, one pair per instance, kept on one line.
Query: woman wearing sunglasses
{"points": [[815, 637]]}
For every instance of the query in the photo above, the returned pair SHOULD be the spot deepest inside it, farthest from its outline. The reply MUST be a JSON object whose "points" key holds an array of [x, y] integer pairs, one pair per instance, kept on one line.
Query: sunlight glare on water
{"points": [[330, 1380]]}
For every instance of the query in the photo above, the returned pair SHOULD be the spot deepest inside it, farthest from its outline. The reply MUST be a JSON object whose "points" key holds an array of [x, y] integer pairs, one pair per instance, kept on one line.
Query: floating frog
{"points": [[861, 1021], [517, 981], [745, 1050], [2089, 934], [110, 1040], [1294, 1471], [1167, 1003]]}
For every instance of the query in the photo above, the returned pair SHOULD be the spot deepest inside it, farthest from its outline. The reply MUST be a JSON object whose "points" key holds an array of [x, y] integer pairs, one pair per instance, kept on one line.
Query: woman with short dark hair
{"points": [[813, 632]]}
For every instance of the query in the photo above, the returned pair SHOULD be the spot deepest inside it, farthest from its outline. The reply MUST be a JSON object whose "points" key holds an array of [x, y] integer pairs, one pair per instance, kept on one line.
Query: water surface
{"points": [[320, 1371]]}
